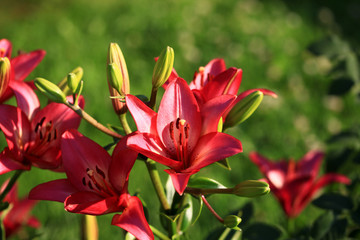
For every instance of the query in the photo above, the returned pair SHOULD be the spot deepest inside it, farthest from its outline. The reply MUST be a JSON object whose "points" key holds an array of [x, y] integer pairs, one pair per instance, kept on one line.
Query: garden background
{"points": [[274, 42]]}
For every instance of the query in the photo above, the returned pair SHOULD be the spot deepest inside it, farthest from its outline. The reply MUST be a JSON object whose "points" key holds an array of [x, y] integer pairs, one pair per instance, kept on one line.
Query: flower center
{"points": [[95, 180], [203, 77], [45, 134], [179, 134]]}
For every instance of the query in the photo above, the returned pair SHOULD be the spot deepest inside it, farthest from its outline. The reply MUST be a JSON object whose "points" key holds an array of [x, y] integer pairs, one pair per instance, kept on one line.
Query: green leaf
{"points": [[333, 201], [187, 215], [322, 225], [224, 163], [169, 191], [261, 231], [204, 182], [201, 204]]}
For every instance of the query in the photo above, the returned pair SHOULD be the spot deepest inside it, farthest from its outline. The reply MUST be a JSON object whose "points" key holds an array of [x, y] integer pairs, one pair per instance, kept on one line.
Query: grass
{"points": [[266, 39]]}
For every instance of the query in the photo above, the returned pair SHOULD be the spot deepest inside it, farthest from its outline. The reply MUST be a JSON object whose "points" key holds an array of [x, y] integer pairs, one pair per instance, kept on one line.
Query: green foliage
{"points": [[268, 40]]}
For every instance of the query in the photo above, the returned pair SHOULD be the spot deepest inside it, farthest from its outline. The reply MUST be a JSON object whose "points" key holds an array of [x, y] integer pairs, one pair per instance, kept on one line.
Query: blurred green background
{"points": [[268, 40]]}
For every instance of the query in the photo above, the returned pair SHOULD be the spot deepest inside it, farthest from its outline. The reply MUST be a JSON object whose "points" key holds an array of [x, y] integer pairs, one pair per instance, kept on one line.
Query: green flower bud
{"points": [[63, 85], [244, 109], [232, 221], [115, 77], [251, 188], [51, 90], [163, 67], [5, 67], [73, 82]]}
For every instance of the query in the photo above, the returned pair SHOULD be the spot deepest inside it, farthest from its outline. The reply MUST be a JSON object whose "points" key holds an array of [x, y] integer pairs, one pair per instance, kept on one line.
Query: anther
{"points": [[84, 181], [90, 185], [49, 137], [55, 134], [42, 121], [187, 128], [178, 123], [99, 171]]}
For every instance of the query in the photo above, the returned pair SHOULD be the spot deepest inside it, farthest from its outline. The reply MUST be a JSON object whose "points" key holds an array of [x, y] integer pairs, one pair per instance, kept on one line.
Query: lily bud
{"points": [[251, 188], [51, 90], [116, 57], [115, 78], [244, 109], [73, 82], [5, 67], [232, 221], [63, 85], [163, 67]]}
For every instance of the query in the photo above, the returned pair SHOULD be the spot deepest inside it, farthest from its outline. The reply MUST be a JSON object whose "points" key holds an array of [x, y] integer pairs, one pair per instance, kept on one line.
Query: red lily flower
{"points": [[181, 136], [215, 80], [96, 183], [33, 134], [21, 66], [19, 213], [295, 184]]}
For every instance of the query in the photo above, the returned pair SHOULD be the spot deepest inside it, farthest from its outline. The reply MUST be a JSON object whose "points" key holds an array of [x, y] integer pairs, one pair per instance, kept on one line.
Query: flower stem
{"points": [[89, 228], [211, 209], [125, 123], [155, 178], [206, 191], [10, 184], [92, 121], [152, 101], [159, 234]]}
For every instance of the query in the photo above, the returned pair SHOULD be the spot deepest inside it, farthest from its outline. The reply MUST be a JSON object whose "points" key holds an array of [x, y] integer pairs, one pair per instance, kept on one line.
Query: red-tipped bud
{"points": [[117, 60]]}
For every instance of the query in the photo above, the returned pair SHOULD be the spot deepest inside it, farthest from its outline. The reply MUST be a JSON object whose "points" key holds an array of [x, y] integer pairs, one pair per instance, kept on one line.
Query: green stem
{"points": [[155, 178], [125, 123], [89, 228], [152, 101], [158, 233], [92, 121], [10, 184], [290, 226], [207, 191], [211, 209]]}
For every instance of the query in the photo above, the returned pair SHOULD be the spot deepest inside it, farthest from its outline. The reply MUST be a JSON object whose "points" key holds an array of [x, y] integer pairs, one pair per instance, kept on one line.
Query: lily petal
{"points": [[180, 180], [91, 203], [26, 98], [16, 127], [212, 110], [133, 220], [310, 163], [144, 117], [60, 115], [213, 147], [147, 145], [56, 190], [123, 160], [80, 154], [8, 163], [213, 68], [25, 63], [178, 102], [227, 82], [328, 179]]}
